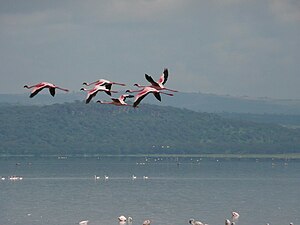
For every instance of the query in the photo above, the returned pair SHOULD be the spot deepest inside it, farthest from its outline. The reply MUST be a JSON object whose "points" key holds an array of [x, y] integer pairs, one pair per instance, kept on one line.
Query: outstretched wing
{"points": [[139, 99], [108, 86], [35, 92], [150, 79], [52, 91], [115, 100], [108, 92], [157, 96], [164, 77], [89, 98]]}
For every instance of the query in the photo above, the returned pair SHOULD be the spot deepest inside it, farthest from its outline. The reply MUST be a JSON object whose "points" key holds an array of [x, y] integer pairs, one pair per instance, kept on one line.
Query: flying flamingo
{"points": [[159, 85], [92, 92], [40, 86], [118, 101], [144, 92], [103, 82]]}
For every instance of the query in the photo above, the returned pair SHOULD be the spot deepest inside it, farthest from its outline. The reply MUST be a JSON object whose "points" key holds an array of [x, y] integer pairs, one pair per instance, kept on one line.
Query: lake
{"points": [[64, 190]]}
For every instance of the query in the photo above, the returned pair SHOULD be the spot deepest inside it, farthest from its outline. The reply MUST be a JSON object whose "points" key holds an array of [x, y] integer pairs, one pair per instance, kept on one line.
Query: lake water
{"points": [[64, 191]]}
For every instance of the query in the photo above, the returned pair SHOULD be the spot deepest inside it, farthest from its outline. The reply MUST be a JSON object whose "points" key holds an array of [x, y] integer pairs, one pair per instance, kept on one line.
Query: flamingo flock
{"points": [[102, 85]]}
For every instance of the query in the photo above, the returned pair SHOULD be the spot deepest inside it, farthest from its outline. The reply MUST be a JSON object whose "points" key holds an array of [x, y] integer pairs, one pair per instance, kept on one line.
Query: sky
{"points": [[225, 47]]}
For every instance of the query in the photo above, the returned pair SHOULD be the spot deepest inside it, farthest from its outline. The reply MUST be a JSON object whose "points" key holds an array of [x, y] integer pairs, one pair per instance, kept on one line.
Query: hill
{"points": [[199, 102], [77, 128]]}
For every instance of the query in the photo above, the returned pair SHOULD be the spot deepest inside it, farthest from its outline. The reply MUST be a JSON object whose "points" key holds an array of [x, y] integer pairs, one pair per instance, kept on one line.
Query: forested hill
{"points": [[77, 128]]}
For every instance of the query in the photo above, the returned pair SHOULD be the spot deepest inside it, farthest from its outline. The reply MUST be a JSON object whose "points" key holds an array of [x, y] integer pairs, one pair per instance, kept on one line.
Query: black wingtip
{"points": [[108, 92]]}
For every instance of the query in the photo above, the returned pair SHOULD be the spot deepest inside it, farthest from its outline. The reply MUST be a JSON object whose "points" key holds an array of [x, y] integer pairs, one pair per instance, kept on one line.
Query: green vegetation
{"points": [[94, 129]]}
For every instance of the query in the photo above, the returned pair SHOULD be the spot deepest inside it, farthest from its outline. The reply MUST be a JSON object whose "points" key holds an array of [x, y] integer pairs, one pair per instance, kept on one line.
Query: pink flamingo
{"points": [[118, 101], [40, 86], [235, 216], [159, 85], [92, 92], [103, 82], [147, 222], [144, 92]]}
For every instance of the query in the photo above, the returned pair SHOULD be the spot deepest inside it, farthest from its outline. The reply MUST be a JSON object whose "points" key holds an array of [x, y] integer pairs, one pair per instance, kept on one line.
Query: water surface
{"points": [[64, 191]]}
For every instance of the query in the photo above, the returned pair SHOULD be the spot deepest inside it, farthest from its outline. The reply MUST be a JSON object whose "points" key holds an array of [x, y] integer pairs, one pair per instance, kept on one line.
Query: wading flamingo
{"points": [[84, 222], [122, 218], [235, 216], [118, 101], [92, 92], [195, 222], [159, 85], [144, 92], [146, 222], [40, 86]]}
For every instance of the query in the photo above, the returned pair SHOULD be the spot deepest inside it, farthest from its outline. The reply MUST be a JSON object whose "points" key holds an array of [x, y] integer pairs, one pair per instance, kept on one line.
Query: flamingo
{"points": [[118, 101], [227, 222], [235, 216], [84, 222], [146, 222], [144, 92], [122, 218], [195, 222], [159, 85], [92, 92], [103, 82], [40, 86]]}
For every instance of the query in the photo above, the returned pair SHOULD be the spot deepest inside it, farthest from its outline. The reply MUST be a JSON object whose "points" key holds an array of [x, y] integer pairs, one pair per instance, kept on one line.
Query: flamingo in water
{"points": [[84, 222], [103, 82], [92, 92], [235, 216], [118, 101], [144, 92], [40, 86], [195, 222], [147, 222], [159, 85], [122, 218]]}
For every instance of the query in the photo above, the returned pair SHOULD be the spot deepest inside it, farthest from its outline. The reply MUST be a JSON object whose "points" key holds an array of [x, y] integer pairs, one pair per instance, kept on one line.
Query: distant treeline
{"points": [[77, 128], [292, 121]]}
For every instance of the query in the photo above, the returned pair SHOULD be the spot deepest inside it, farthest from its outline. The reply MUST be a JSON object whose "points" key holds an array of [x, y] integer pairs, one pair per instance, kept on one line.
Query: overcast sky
{"points": [[235, 47]]}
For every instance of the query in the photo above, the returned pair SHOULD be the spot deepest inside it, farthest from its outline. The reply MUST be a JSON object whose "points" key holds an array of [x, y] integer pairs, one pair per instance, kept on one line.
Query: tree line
{"points": [[77, 128]]}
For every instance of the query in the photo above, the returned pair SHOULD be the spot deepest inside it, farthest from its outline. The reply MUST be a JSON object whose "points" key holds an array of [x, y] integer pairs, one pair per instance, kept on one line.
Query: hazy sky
{"points": [[235, 47]]}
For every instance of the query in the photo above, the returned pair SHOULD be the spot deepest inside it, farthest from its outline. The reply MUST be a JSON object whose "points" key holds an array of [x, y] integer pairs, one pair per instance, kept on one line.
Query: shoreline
{"points": [[286, 156]]}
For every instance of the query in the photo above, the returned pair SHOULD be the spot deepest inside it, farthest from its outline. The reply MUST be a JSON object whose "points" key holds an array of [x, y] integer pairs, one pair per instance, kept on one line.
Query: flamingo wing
{"points": [[108, 86], [90, 96], [115, 100], [164, 77], [139, 99], [150, 79], [35, 91], [52, 91], [157, 96], [108, 92]]}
